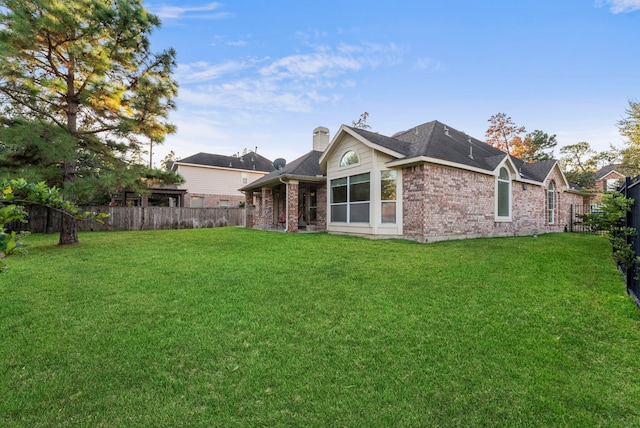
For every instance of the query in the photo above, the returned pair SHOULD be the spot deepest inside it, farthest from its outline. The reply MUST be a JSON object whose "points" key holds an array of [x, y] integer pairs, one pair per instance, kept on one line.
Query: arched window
{"points": [[503, 196], [551, 203], [349, 158]]}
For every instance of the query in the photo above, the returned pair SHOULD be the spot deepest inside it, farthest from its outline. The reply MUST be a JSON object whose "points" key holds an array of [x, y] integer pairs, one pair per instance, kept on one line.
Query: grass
{"points": [[236, 327]]}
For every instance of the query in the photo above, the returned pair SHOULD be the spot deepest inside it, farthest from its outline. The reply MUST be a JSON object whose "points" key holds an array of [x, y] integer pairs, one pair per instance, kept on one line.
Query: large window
{"points": [[388, 196], [503, 199], [551, 203], [350, 198]]}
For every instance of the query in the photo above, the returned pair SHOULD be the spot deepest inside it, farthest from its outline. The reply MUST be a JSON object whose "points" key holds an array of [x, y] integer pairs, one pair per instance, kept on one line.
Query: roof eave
{"points": [[226, 168], [281, 179], [417, 160]]}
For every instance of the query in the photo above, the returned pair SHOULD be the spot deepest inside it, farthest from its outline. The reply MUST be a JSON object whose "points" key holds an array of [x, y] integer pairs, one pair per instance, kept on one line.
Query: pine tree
{"points": [[80, 90]]}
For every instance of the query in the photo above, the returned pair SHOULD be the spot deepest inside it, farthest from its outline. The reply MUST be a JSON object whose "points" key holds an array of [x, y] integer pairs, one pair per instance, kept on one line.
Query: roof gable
{"points": [[606, 170], [391, 146]]}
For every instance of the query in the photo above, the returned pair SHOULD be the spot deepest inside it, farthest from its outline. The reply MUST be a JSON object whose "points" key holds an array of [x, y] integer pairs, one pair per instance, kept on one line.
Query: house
{"points": [[608, 179], [428, 183], [295, 192], [213, 180]]}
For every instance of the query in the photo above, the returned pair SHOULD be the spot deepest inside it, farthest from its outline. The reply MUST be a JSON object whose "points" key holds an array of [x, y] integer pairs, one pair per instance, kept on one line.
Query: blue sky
{"points": [[265, 73]]}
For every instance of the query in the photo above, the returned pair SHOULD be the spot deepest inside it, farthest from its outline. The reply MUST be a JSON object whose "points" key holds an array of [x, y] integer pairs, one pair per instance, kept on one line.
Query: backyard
{"points": [[237, 327]]}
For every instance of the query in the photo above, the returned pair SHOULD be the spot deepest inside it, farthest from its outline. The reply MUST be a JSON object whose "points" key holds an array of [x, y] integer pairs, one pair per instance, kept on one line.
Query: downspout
{"points": [[286, 204]]}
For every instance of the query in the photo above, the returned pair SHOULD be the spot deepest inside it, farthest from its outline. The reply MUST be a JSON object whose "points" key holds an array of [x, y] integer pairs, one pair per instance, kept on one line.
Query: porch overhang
{"points": [[282, 179]]}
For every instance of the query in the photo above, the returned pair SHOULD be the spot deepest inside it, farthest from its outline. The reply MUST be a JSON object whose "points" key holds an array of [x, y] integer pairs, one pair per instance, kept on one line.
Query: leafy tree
{"points": [[629, 128], [18, 192], [610, 218], [579, 162], [538, 146], [79, 88], [505, 135], [361, 122]]}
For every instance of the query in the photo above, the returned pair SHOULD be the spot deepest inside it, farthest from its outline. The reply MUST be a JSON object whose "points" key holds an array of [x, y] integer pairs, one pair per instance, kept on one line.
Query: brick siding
{"points": [[448, 203]]}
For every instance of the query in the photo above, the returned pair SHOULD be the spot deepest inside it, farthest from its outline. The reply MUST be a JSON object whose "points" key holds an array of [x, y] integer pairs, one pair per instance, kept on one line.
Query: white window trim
{"points": [[349, 203], [352, 164], [382, 201], [551, 211], [498, 180]]}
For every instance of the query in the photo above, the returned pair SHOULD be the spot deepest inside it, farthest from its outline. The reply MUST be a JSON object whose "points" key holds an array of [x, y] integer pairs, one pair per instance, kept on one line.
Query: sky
{"points": [[262, 75]]}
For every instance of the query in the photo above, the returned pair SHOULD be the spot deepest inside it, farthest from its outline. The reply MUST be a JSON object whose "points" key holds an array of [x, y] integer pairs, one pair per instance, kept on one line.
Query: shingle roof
{"points": [[307, 165], [436, 140], [432, 139], [606, 170], [250, 161], [537, 171]]}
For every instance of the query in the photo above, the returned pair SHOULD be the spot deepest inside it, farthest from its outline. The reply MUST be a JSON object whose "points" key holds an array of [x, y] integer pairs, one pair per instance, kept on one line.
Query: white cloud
{"points": [[427, 64], [192, 12], [202, 71], [294, 83], [621, 6], [239, 43], [314, 65]]}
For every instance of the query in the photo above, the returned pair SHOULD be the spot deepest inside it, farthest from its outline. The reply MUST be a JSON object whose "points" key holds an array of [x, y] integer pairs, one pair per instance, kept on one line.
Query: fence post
{"points": [[571, 218]]}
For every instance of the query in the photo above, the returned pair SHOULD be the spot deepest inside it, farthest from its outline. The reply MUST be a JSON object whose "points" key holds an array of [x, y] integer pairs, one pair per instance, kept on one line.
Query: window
{"points": [[503, 199], [223, 203], [349, 158], [197, 202], [245, 178], [388, 196], [551, 203], [612, 184], [350, 198]]}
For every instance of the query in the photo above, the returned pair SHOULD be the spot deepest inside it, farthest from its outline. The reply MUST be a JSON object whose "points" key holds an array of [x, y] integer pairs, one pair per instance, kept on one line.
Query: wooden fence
{"points": [[44, 220]]}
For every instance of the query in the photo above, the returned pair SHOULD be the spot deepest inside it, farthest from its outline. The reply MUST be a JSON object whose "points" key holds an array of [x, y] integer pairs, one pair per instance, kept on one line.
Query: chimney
{"points": [[320, 138]]}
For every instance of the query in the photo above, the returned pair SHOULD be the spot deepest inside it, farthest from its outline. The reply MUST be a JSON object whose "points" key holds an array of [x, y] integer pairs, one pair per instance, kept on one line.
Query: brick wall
{"points": [[263, 211], [448, 203], [213, 201], [250, 210], [292, 206], [413, 202], [321, 207]]}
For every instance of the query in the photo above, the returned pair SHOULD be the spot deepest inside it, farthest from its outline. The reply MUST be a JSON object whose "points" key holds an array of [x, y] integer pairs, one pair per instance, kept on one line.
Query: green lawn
{"points": [[236, 327]]}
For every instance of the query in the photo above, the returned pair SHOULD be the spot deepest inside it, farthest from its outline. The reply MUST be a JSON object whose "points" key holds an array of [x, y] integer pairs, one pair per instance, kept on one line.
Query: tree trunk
{"points": [[69, 225], [68, 230]]}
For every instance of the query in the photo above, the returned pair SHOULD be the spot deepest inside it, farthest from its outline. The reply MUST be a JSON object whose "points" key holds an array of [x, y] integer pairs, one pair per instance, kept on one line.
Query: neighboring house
{"points": [[213, 180], [429, 183], [607, 178]]}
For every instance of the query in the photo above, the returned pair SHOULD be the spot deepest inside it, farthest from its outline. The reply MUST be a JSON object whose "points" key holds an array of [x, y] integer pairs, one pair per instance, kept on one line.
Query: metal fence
{"points": [[575, 214], [46, 220], [631, 189]]}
